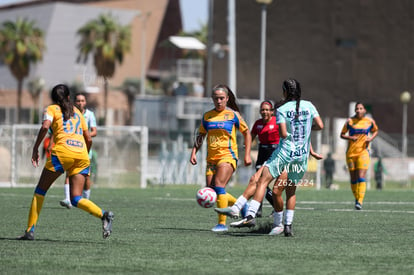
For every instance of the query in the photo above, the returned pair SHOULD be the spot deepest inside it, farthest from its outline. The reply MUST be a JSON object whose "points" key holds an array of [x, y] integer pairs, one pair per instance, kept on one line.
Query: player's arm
{"points": [[247, 147], [317, 124], [345, 130], [93, 124], [283, 130], [93, 132], [374, 132], [314, 154], [40, 136], [88, 139], [198, 141], [86, 133]]}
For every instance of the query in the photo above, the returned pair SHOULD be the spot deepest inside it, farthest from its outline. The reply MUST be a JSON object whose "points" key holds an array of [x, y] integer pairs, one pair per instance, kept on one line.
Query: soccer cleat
{"points": [[358, 206], [259, 213], [107, 219], [249, 221], [66, 203], [288, 230], [277, 230], [27, 236], [228, 211], [220, 228]]}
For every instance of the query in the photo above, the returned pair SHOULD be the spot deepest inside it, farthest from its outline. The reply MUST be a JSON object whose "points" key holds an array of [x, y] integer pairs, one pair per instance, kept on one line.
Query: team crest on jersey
{"points": [[271, 126], [226, 116]]}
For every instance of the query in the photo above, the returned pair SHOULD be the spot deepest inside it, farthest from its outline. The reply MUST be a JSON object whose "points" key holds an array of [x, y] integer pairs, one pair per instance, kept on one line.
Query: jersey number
{"points": [[73, 125]]}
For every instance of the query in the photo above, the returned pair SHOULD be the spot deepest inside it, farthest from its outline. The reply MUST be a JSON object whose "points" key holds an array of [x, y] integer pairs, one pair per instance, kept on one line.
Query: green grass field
{"points": [[161, 230]]}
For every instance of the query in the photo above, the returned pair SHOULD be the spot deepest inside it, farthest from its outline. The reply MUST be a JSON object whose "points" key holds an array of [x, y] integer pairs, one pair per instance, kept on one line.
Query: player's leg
{"points": [[353, 175], [66, 202], [234, 211], [361, 170], [45, 181], [77, 176], [224, 171], [86, 193], [278, 188], [264, 180], [290, 208]]}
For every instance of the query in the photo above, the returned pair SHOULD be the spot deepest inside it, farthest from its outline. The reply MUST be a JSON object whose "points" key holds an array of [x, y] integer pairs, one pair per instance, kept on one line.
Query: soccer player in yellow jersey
{"points": [[69, 154], [359, 128], [219, 125]]}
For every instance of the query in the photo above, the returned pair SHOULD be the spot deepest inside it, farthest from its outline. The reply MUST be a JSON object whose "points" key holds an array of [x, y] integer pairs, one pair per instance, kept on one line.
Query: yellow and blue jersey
{"points": [[67, 135], [359, 128], [220, 128]]}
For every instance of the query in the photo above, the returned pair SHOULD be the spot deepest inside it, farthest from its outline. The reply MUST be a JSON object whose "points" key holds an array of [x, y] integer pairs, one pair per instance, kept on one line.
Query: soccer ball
{"points": [[206, 197]]}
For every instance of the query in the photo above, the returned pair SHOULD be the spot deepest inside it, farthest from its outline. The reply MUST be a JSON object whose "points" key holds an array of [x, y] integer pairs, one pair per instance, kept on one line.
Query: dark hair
{"points": [[293, 92], [60, 96], [356, 104], [232, 98], [80, 93], [269, 102]]}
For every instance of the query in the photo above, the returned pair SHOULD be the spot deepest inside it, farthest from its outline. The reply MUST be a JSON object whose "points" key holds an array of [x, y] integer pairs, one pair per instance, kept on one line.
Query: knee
{"points": [[75, 200]]}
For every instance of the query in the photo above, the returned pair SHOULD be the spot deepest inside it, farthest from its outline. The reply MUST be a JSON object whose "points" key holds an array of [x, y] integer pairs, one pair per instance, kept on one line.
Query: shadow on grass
{"points": [[49, 240], [262, 228]]}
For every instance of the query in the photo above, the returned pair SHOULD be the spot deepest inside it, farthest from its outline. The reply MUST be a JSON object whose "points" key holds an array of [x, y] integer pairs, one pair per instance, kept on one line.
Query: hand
{"points": [[35, 157], [317, 156], [193, 159], [247, 160]]}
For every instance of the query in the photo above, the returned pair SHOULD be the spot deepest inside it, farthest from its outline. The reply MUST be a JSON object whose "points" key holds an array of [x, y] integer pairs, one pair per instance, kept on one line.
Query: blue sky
{"points": [[194, 12]]}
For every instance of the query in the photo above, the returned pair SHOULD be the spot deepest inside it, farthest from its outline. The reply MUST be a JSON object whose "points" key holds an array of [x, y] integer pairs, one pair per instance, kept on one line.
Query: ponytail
{"points": [[293, 92], [60, 96], [231, 103]]}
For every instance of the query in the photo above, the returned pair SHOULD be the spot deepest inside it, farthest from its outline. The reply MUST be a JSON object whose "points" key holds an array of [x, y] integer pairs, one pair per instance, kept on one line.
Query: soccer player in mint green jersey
{"points": [[296, 119]]}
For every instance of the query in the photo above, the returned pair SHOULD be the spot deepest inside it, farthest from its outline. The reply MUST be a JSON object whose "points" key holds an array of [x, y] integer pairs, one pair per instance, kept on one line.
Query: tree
{"points": [[108, 42], [130, 87], [21, 44], [35, 87]]}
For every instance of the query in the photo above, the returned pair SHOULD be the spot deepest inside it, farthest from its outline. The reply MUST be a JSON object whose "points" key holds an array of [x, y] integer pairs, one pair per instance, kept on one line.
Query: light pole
{"points": [[405, 98], [264, 4], [144, 18]]}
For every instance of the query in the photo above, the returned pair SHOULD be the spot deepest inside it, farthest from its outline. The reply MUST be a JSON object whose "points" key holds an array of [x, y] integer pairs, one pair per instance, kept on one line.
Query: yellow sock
{"points": [[90, 207], [232, 200], [35, 208], [362, 187], [354, 188], [222, 202]]}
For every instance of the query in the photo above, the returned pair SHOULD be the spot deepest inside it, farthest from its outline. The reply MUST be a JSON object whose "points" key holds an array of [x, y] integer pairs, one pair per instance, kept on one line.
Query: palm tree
{"points": [[21, 44], [108, 42], [130, 87], [35, 87]]}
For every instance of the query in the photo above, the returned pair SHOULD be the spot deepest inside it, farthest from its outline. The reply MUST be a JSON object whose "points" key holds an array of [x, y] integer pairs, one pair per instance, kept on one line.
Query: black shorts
{"points": [[265, 151]]}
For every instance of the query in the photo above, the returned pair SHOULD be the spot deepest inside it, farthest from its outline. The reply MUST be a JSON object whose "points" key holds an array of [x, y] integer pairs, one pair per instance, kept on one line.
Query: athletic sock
{"points": [[86, 194], [89, 207], [354, 188], [253, 207], [222, 202], [362, 187], [239, 204], [231, 199], [66, 187], [35, 208], [289, 216], [277, 218]]}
